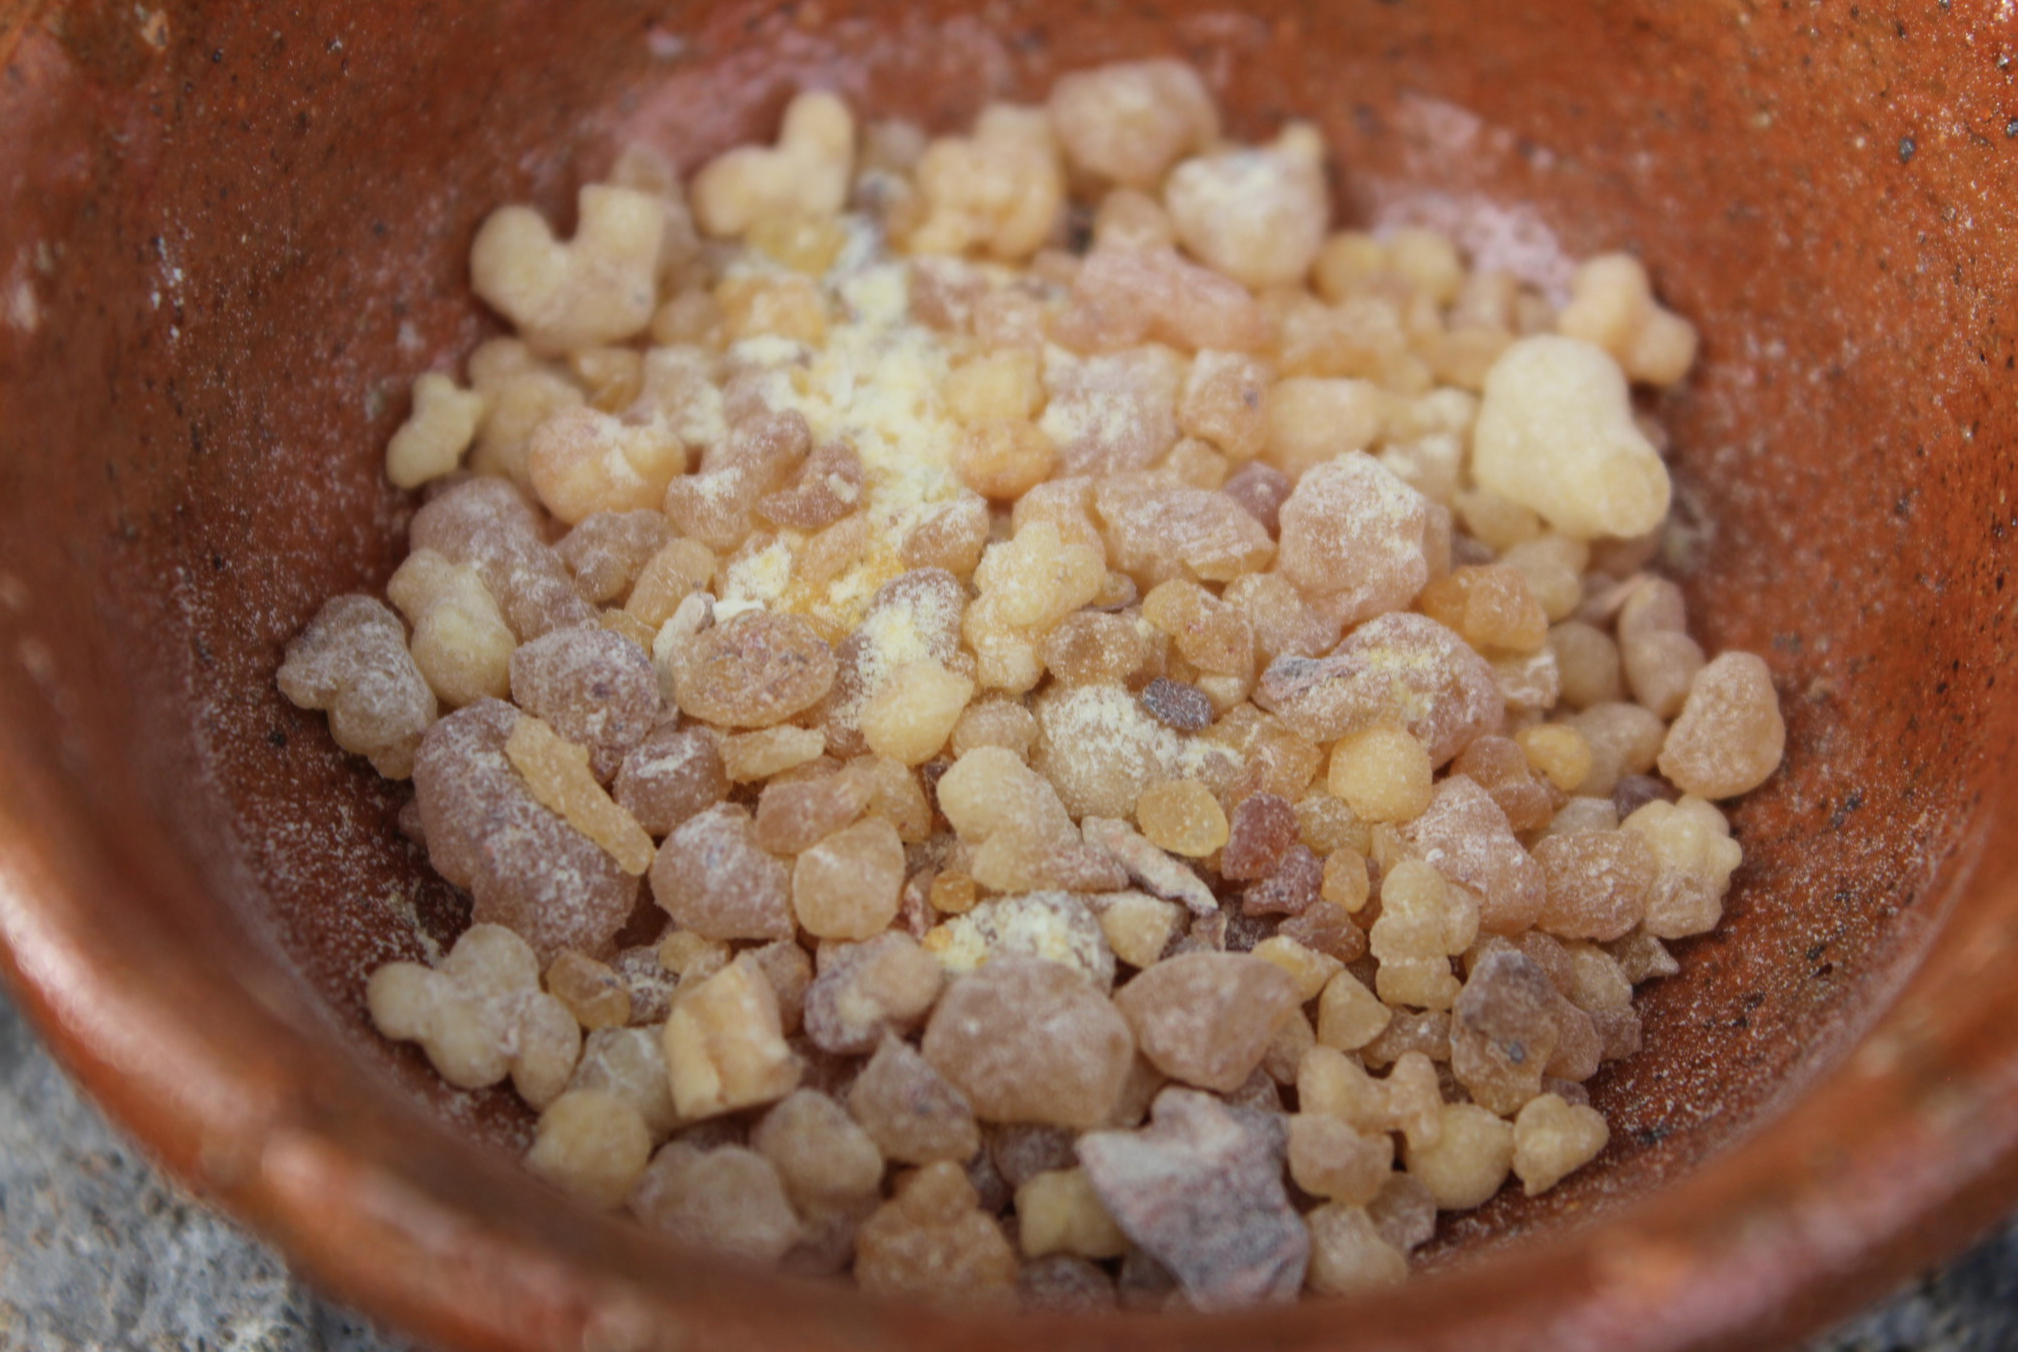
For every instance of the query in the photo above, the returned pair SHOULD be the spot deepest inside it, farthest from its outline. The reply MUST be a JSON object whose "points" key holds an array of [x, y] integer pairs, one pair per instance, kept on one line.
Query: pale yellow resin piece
{"points": [[557, 773]]}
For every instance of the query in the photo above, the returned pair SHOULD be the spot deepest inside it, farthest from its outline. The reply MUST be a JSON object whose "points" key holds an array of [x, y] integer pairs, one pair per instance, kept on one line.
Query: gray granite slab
{"points": [[1969, 1306], [100, 1253]]}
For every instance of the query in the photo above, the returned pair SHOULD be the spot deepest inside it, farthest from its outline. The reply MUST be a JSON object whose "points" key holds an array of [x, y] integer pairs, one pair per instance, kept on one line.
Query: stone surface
{"points": [[100, 1253], [1969, 1306]]}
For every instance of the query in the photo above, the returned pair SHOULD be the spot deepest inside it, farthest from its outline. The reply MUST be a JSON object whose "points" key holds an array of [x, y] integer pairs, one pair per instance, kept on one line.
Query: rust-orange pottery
{"points": [[231, 234]]}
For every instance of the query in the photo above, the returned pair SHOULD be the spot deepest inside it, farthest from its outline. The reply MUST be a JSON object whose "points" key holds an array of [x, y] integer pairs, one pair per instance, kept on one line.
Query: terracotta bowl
{"points": [[231, 235]]}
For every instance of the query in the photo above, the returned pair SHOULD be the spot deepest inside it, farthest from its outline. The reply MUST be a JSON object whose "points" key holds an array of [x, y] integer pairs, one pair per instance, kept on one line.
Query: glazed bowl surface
{"points": [[231, 235]]}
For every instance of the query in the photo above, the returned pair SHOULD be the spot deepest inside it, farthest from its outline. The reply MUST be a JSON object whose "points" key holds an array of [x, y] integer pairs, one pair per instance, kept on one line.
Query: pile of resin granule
{"points": [[1140, 724]]}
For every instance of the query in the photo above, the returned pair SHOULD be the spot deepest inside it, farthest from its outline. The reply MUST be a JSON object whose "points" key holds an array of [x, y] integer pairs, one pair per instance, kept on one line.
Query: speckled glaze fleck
{"points": [[231, 235]]}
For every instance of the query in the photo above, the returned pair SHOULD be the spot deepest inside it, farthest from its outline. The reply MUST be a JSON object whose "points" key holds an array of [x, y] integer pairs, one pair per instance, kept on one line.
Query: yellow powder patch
{"points": [[873, 383]]}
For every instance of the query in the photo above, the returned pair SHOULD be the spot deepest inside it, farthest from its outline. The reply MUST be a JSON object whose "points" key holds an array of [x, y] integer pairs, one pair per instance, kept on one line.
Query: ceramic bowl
{"points": [[230, 235]]}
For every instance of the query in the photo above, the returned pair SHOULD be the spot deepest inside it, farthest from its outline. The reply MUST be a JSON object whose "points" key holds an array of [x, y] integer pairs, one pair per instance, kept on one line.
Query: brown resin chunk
{"points": [[932, 1241], [1262, 828], [1290, 889], [671, 775], [608, 550], [1503, 1031], [595, 687], [1465, 836], [488, 523], [1207, 1018], [867, 990], [755, 671], [525, 867], [352, 660], [711, 878], [1177, 705], [1398, 666], [1200, 1190], [911, 1111], [1031, 1041], [1598, 883]]}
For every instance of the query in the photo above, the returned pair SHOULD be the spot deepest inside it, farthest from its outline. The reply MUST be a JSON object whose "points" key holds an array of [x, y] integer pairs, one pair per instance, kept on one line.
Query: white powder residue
{"points": [[1056, 926], [875, 385], [402, 907], [896, 634], [922, 622], [679, 384], [759, 579], [1087, 407], [1414, 678], [1104, 726]]}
